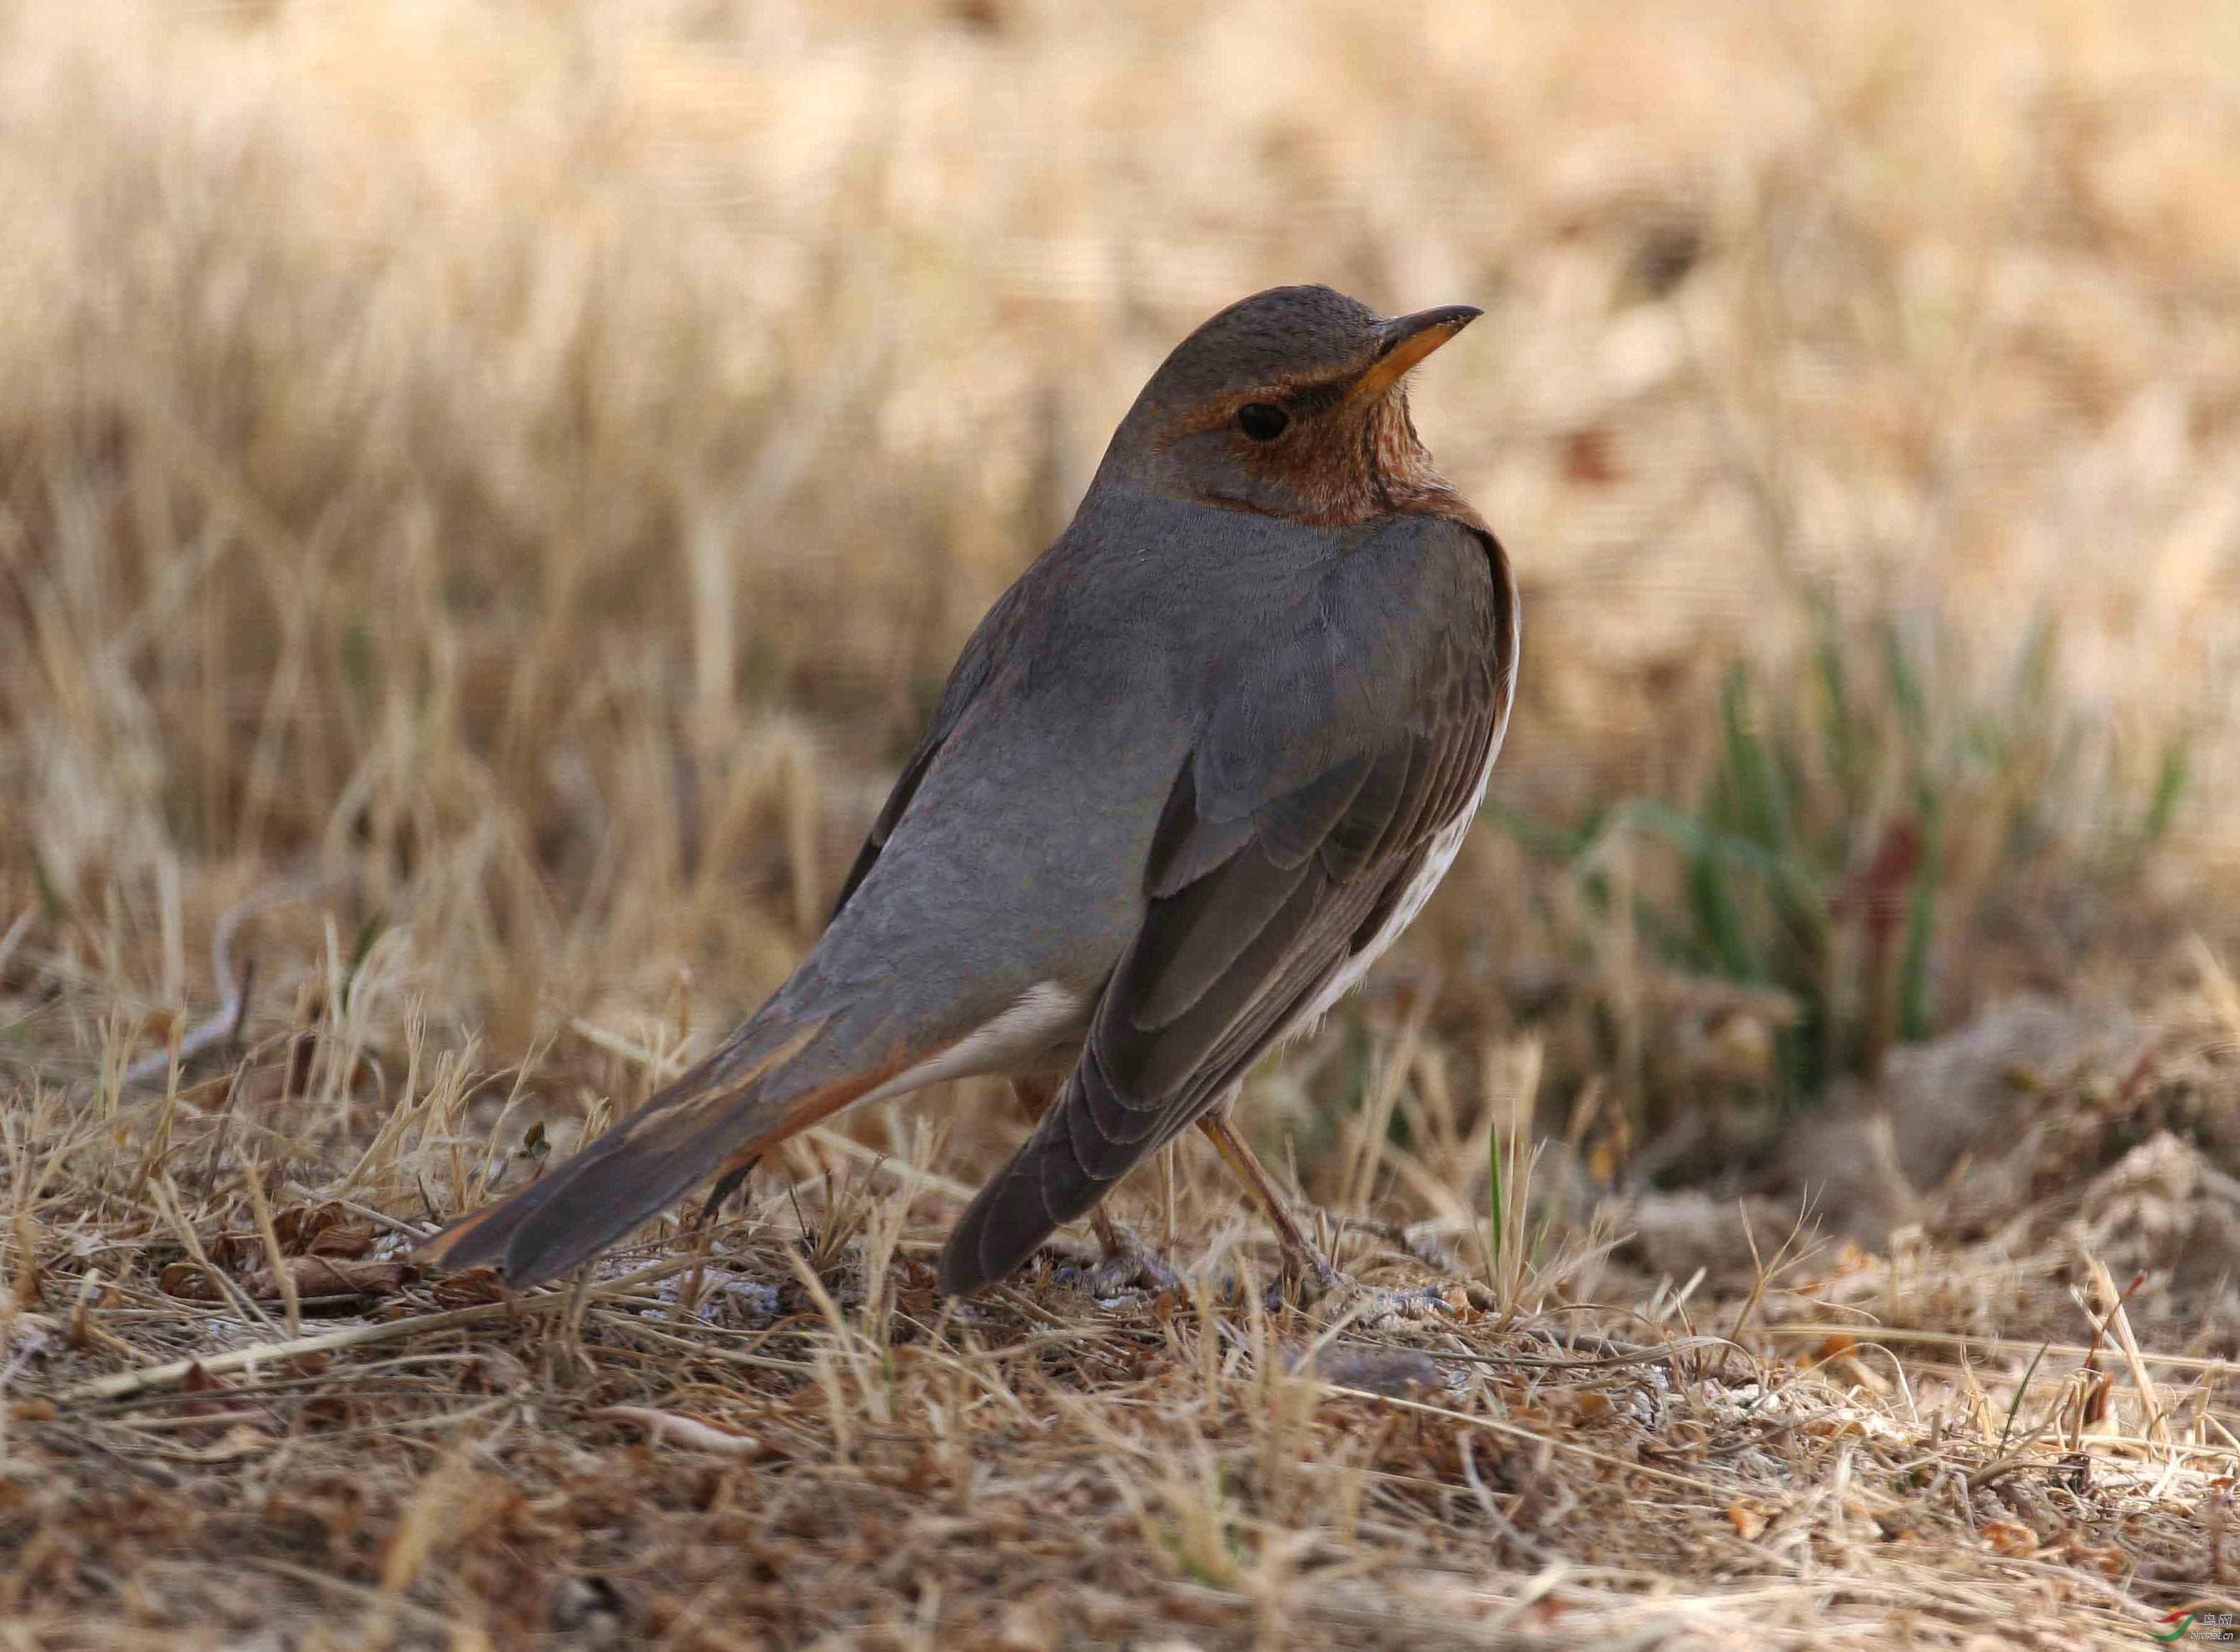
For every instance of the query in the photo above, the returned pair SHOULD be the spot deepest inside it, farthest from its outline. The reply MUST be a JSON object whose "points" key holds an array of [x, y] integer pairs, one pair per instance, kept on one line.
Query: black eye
{"points": [[1261, 420]]}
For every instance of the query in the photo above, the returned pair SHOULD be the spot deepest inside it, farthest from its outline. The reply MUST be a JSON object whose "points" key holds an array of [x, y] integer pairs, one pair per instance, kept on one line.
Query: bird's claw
{"points": [[1129, 1265], [1372, 1306]]}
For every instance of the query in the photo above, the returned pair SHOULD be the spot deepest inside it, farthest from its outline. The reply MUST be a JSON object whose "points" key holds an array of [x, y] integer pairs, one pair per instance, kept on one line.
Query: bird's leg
{"points": [[1378, 1307], [1127, 1260], [1301, 1261]]}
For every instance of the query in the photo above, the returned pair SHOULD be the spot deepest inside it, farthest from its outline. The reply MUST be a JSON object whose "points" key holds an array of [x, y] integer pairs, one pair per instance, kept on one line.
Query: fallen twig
{"points": [[124, 1382]]}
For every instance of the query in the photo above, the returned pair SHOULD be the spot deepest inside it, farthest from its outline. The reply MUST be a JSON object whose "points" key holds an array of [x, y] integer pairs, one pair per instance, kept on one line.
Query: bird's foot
{"points": [[1335, 1295], [1130, 1265]]}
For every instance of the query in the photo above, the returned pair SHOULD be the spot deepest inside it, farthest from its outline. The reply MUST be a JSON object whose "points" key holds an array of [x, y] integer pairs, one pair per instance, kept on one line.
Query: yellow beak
{"points": [[1408, 339]]}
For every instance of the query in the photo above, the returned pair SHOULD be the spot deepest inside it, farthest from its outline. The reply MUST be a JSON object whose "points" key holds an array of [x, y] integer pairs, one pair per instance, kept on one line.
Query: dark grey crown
{"points": [[1258, 340]]}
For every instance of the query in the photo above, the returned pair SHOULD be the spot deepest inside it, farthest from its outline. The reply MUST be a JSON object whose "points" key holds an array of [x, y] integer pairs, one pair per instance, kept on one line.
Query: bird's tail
{"points": [[764, 1085]]}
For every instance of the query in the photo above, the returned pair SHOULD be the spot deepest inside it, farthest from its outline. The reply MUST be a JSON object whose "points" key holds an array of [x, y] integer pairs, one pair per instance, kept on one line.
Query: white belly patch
{"points": [[1015, 1040]]}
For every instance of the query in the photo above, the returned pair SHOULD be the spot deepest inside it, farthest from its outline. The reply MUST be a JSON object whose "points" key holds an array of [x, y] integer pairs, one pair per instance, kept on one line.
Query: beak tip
{"points": [[1440, 316], [1440, 324], [1408, 340]]}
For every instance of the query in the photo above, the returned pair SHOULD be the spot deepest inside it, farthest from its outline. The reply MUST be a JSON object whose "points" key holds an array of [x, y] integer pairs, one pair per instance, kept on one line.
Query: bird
{"points": [[1190, 777]]}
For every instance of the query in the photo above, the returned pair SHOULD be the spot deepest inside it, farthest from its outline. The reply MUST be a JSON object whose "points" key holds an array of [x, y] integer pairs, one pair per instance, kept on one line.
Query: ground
{"points": [[487, 499]]}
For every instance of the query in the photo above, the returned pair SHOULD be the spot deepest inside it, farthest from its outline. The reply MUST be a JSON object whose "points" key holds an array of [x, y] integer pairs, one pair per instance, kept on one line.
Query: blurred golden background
{"points": [[538, 462]]}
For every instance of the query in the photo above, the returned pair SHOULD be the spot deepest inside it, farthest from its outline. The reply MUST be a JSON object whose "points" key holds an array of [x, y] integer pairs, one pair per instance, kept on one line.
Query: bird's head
{"points": [[1291, 403]]}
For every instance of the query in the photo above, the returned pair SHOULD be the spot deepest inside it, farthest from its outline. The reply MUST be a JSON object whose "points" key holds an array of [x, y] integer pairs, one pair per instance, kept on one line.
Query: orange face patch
{"points": [[1346, 456]]}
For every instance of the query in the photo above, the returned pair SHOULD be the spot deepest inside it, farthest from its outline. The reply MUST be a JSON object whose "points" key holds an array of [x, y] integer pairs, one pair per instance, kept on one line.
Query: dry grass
{"points": [[486, 496]]}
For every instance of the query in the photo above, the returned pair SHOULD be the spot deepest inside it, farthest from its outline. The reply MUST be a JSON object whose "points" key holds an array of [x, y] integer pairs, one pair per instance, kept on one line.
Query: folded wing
{"points": [[1304, 816]]}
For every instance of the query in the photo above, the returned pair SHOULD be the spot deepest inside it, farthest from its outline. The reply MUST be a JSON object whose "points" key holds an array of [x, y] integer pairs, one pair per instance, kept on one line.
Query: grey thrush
{"points": [[1192, 774]]}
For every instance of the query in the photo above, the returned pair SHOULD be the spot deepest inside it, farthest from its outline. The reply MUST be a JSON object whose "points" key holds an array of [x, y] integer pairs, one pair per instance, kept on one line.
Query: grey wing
{"points": [[1252, 913]]}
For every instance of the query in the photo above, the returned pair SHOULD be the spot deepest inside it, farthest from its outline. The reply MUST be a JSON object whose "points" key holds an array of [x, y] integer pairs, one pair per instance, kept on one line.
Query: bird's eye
{"points": [[1261, 420]]}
